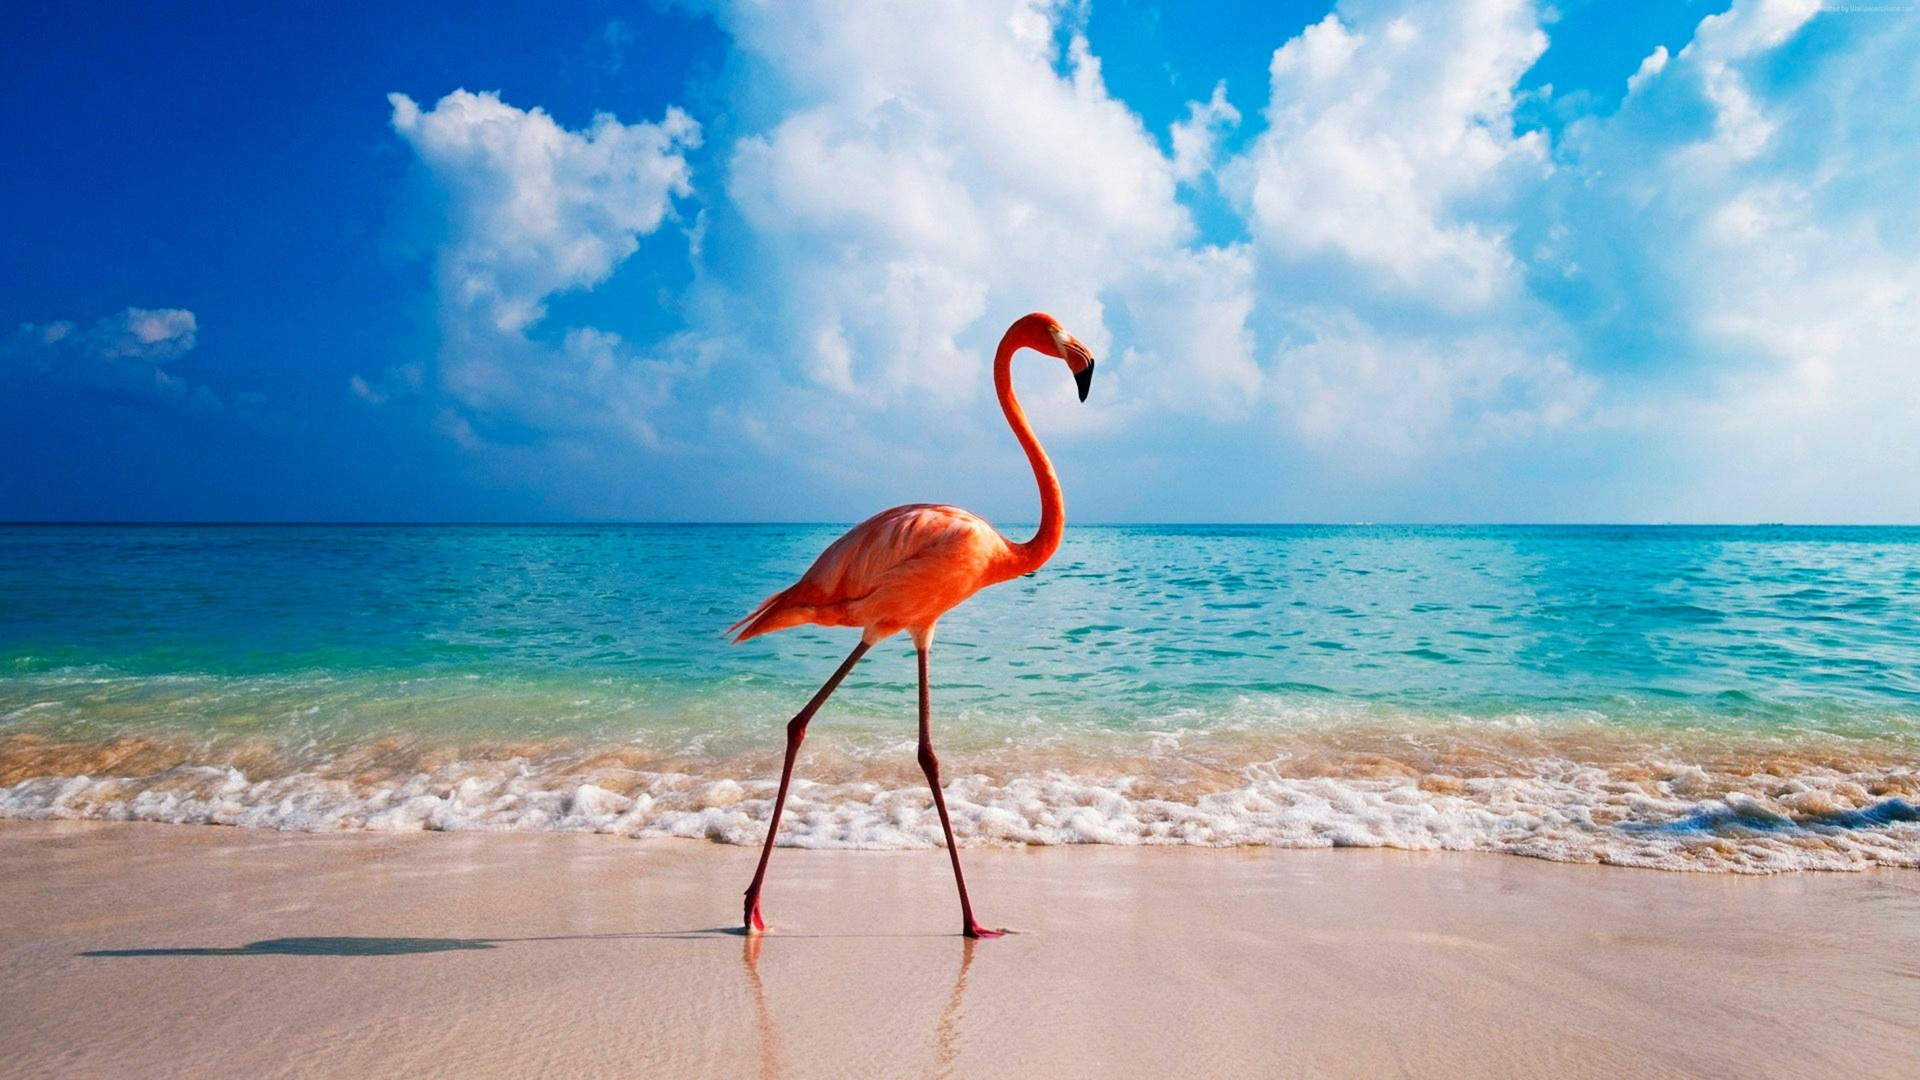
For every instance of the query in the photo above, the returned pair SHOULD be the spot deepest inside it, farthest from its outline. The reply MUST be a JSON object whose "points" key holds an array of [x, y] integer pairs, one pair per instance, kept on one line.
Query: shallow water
{"points": [[1689, 698]]}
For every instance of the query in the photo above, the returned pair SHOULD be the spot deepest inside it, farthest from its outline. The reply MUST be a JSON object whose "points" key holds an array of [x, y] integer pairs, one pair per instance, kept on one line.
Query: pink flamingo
{"points": [[904, 568]]}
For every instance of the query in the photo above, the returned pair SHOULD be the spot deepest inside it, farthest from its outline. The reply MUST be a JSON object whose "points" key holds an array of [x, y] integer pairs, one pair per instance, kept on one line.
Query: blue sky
{"points": [[1489, 260]]}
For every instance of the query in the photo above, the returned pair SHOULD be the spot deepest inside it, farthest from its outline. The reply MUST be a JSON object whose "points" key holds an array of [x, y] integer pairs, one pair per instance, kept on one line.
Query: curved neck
{"points": [[1029, 556]]}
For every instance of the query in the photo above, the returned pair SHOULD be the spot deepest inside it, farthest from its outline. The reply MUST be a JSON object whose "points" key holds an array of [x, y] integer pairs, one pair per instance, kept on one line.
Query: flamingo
{"points": [[904, 568]]}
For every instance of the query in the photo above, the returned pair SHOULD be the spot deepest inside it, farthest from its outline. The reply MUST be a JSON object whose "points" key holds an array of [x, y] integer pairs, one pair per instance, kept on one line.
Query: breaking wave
{"points": [[1758, 806]]}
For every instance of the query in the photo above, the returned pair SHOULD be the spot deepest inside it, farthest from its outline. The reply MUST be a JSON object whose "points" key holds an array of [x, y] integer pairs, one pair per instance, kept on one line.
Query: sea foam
{"points": [[1752, 817]]}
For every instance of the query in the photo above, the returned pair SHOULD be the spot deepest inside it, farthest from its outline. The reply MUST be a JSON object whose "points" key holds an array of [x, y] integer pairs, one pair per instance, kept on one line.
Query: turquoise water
{"points": [[1702, 698]]}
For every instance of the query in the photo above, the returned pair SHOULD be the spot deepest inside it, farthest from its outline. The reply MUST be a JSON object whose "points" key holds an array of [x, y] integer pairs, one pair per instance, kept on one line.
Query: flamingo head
{"points": [[1057, 342]]}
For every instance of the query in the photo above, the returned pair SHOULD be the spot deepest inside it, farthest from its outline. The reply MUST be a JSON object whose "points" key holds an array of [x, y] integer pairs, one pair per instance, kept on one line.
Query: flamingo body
{"points": [[904, 568], [900, 569]]}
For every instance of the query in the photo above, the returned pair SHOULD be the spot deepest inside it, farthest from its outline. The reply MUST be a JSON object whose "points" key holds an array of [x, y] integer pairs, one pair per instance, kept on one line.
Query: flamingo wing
{"points": [[901, 567]]}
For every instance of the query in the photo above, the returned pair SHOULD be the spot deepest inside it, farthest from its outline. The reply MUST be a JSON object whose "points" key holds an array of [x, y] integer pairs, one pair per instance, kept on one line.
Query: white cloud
{"points": [[1787, 252], [1190, 339], [1380, 199], [1719, 44], [1380, 398], [145, 335], [932, 173], [1390, 145], [1721, 272], [122, 352], [1652, 66], [1748, 28], [533, 210], [1196, 139]]}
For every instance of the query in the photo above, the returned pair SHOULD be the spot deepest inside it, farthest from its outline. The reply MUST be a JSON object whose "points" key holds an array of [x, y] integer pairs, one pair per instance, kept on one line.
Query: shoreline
{"points": [[156, 949]]}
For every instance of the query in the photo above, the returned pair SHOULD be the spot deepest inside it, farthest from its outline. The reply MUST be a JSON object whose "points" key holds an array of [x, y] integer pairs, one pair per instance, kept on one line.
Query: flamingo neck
{"points": [[1029, 556]]}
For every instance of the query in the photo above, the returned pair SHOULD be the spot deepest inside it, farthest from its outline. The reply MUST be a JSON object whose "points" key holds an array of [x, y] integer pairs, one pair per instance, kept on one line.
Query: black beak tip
{"points": [[1084, 378]]}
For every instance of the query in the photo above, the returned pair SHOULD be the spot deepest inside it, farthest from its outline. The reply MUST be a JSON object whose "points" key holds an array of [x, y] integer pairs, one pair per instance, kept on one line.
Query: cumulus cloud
{"points": [[140, 334], [942, 169], [1381, 198], [120, 353], [1381, 397], [1190, 333], [1196, 139], [1654, 64], [1390, 146], [925, 175], [1769, 221], [532, 210], [1722, 271]]}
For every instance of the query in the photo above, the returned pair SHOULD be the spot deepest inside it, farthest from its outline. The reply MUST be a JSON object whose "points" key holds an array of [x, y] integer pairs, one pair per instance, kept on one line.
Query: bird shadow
{"points": [[316, 946], [399, 946]]}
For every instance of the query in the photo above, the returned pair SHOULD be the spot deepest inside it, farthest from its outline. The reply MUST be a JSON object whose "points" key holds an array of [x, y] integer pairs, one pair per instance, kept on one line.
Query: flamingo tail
{"points": [[774, 613]]}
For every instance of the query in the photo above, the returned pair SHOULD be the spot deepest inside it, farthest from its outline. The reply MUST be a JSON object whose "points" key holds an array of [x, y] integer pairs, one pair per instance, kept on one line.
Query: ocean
{"points": [[1686, 698]]}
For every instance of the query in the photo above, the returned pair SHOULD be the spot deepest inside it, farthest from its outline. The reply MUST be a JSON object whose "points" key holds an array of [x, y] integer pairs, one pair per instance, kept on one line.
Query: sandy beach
{"points": [[135, 949]]}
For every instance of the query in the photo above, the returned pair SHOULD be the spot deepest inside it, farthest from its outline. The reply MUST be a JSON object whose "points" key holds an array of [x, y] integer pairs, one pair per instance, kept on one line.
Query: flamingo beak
{"points": [[1081, 361]]}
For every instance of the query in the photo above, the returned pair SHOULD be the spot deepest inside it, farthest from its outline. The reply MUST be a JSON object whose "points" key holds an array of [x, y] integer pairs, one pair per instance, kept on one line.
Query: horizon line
{"points": [[748, 523]]}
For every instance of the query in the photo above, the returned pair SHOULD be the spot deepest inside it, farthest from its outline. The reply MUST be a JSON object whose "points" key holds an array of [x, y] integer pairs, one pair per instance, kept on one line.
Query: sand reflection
{"points": [[946, 1032]]}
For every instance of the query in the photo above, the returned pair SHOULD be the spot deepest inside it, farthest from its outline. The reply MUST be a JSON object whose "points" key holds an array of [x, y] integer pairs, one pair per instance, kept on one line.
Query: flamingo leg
{"points": [[796, 731], [930, 765]]}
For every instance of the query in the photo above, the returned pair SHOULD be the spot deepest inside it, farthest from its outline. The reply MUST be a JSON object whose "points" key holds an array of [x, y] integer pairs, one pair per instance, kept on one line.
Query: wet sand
{"points": [[131, 949]]}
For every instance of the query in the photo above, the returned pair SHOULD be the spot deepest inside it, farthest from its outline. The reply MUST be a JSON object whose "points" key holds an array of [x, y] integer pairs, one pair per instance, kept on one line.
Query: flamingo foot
{"points": [[976, 931], [750, 916]]}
